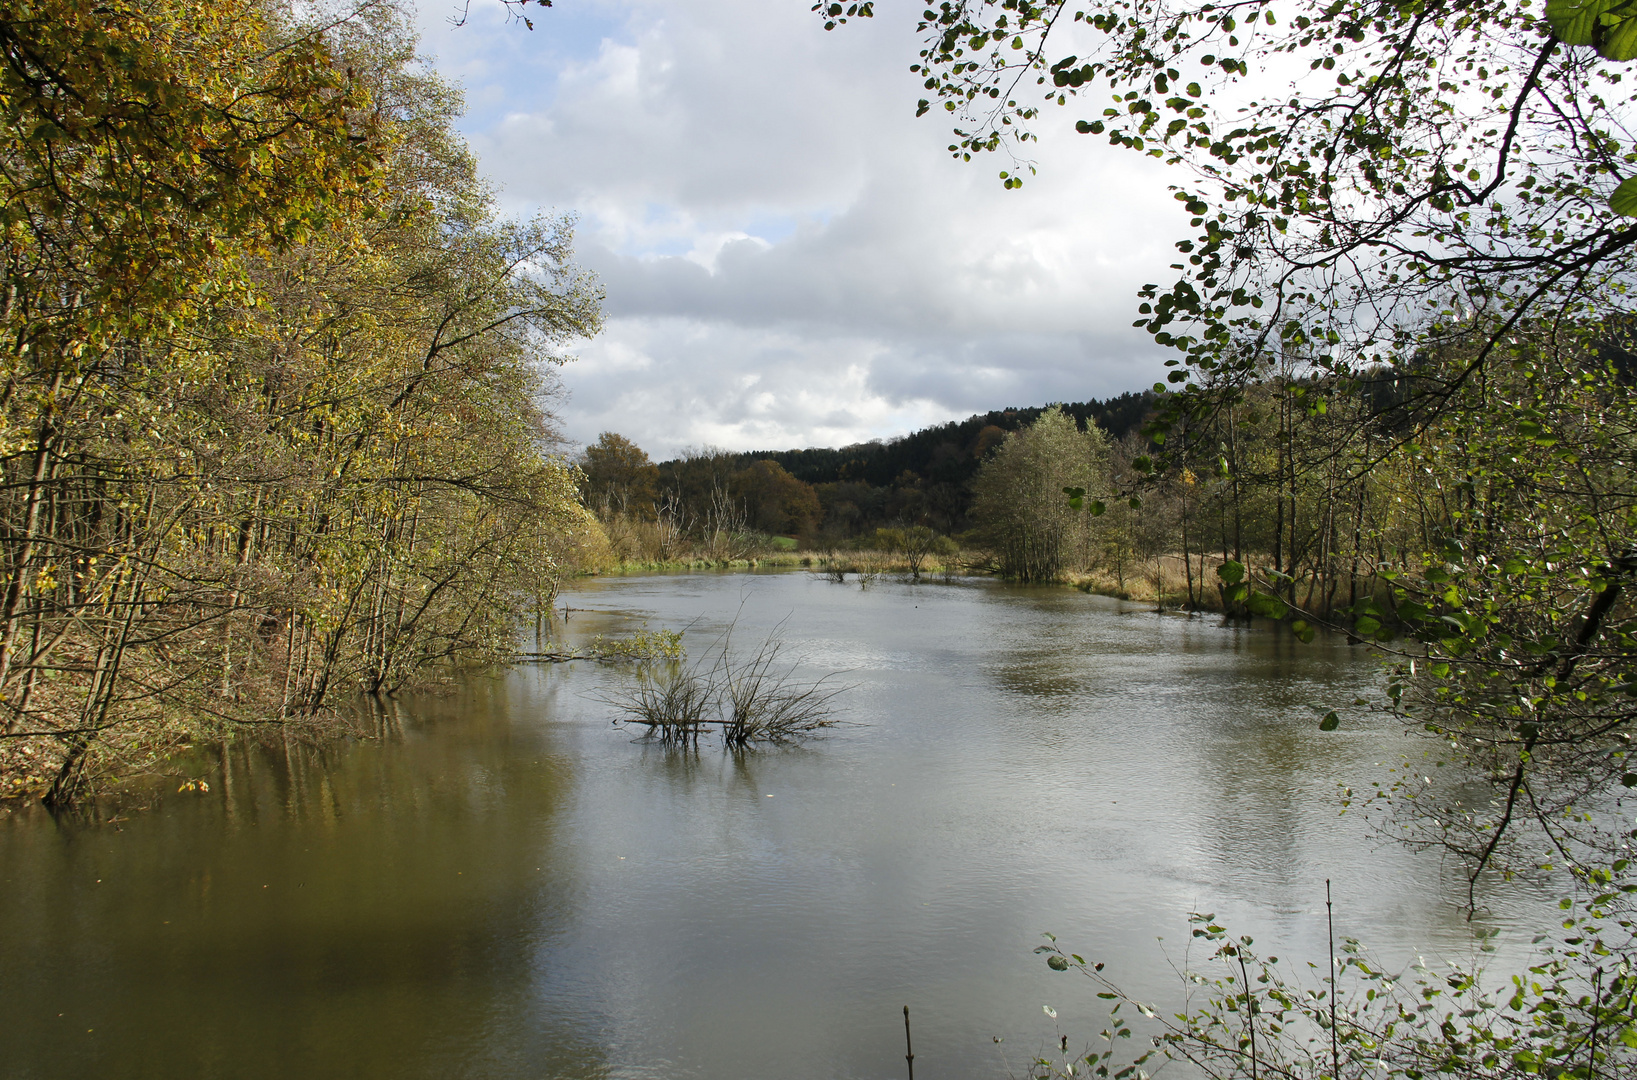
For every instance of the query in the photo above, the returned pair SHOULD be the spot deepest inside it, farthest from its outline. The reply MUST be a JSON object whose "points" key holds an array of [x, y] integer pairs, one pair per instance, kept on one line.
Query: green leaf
{"points": [[1629, 780], [1619, 41], [1330, 722], [1411, 611], [1231, 572], [1057, 963], [1265, 605], [1624, 199], [1575, 21]]}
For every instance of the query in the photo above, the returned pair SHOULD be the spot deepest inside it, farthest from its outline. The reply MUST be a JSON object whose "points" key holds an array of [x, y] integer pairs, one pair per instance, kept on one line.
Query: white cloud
{"points": [[790, 257]]}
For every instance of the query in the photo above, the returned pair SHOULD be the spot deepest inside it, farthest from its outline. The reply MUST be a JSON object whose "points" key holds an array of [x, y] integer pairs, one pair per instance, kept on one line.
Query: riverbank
{"points": [[869, 563]]}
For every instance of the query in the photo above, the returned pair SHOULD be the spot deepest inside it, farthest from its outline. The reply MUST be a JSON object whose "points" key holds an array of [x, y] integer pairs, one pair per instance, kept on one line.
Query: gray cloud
{"points": [[790, 258]]}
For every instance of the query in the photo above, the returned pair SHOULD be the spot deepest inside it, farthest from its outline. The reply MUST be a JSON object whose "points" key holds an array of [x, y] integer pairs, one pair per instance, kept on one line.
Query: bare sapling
{"points": [[762, 700]]}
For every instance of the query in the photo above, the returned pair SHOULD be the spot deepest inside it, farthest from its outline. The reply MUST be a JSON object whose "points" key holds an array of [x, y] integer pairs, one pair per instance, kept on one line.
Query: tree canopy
{"points": [[1362, 177], [273, 379]]}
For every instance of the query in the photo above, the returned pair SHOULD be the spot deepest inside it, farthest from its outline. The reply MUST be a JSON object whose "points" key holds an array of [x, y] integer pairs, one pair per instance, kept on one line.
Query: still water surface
{"points": [[505, 884]]}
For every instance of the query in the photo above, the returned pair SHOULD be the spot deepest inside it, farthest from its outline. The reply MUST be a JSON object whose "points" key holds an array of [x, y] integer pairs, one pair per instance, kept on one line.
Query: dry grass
{"points": [[1162, 582], [868, 567]]}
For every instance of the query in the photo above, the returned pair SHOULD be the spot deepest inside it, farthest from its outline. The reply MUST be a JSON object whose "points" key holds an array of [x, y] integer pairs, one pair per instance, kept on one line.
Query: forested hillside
{"points": [[950, 453], [826, 497]]}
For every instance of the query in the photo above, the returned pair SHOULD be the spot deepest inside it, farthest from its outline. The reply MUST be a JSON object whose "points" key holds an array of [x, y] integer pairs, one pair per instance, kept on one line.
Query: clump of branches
{"points": [[675, 706], [1570, 1015], [748, 697], [761, 700]]}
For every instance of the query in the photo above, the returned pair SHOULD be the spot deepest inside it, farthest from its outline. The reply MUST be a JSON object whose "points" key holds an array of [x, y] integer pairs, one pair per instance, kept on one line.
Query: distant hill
{"points": [[947, 453]]}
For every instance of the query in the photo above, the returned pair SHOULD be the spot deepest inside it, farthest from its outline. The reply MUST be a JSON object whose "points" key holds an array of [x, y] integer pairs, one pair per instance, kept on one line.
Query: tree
{"points": [[775, 501], [619, 478], [273, 415], [1018, 502], [916, 543]]}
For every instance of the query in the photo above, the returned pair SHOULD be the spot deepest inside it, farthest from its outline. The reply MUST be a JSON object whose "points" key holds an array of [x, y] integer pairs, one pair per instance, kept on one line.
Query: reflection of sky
{"points": [[1015, 762], [502, 883], [758, 199]]}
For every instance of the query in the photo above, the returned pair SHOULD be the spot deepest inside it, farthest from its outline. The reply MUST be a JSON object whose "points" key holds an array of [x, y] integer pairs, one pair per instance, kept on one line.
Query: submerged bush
{"points": [[748, 698], [674, 705]]}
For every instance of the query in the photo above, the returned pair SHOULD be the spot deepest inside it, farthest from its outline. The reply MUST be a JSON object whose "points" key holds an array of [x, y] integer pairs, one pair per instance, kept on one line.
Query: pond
{"points": [[507, 884]]}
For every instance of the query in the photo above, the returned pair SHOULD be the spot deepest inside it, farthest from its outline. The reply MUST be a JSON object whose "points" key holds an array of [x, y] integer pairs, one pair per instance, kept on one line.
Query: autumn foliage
{"points": [[270, 408]]}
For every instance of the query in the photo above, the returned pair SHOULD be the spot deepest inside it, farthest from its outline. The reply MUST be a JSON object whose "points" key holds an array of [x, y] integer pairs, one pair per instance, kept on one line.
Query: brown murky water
{"points": [[506, 885]]}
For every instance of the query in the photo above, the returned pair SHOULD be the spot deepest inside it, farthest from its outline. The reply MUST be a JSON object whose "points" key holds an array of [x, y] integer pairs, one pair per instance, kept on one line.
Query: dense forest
{"points": [[272, 420], [826, 497]]}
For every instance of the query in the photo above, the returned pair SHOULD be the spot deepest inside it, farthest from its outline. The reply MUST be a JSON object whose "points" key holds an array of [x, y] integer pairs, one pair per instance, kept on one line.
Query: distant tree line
{"points": [[704, 499]]}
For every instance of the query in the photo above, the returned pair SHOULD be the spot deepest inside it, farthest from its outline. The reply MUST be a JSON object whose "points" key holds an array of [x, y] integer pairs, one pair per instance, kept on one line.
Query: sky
{"points": [[790, 257]]}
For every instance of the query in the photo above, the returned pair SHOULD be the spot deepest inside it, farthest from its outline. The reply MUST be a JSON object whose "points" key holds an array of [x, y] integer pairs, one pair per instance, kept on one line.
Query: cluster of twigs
{"points": [[751, 697]]}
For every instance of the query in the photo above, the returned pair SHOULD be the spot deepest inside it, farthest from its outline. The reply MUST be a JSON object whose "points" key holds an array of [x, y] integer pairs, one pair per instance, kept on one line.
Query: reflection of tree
{"points": [[366, 908]]}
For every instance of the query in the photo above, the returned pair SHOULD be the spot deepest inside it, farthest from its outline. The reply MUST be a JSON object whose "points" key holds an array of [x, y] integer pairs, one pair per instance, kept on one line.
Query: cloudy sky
{"points": [[790, 257]]}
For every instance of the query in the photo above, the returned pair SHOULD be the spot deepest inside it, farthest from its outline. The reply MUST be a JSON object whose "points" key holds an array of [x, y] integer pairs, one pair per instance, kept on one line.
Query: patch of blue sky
{"points": [[773, 228], [503, 65]]}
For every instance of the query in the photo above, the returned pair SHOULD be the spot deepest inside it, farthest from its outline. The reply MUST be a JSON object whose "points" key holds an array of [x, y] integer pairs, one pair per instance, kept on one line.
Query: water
{"points": [[505, 884]]}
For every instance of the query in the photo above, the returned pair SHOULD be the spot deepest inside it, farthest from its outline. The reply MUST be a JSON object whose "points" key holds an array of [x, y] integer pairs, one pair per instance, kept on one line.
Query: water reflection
{"points": [[503, 883], [363, 910]]}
